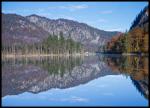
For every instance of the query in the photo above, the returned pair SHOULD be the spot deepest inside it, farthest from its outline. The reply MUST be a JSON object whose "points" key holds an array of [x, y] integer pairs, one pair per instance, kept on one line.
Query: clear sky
{"points": [[109, 16]]}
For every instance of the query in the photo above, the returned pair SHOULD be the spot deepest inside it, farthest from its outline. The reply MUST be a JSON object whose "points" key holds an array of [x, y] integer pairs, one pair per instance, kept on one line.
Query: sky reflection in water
{"points": [[107, 90]]}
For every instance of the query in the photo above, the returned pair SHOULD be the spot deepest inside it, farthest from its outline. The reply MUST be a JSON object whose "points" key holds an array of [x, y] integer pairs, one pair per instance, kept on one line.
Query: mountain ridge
{"points": [[41, 27]]}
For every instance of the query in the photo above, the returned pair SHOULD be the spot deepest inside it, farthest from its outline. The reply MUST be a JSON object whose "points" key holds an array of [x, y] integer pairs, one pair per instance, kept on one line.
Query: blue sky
{"points": [[109, 16]]}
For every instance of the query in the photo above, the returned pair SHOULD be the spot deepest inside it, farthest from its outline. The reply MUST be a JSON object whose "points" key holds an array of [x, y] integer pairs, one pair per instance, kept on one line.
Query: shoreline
{"points": [[135, 54], [45, 55], [124, 54], [64, 55]]}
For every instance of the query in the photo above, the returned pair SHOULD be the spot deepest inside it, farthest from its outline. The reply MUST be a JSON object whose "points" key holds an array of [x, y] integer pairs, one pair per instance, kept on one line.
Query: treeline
{"points": [[52, 45], [116, 45], [135, 41]]}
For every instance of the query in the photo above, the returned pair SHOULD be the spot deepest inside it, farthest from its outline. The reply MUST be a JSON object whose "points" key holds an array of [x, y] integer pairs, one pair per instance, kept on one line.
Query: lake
{"points": [[100, 80]]}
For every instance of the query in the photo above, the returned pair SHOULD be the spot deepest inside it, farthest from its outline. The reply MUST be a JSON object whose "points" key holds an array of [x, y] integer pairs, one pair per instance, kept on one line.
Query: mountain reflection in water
{"points": [[36, 75]]}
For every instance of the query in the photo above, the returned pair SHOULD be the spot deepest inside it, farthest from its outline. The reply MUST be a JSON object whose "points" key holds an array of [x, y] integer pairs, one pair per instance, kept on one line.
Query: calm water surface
{"points": [[101, 80]]}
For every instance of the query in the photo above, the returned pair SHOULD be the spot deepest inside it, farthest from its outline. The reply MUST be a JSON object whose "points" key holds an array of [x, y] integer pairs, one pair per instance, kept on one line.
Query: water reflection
{"points": [[35, 74], [40, 74], [54, 65], [134, 66]]}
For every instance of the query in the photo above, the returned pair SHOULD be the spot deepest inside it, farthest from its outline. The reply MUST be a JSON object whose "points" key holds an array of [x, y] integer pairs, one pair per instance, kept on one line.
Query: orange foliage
{"points": [[114, 39]]}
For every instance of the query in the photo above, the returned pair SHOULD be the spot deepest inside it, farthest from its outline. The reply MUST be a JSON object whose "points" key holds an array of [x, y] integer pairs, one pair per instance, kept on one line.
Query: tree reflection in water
{"points": [[26, 74], [134, 66], [43, 73], [54, 65]]}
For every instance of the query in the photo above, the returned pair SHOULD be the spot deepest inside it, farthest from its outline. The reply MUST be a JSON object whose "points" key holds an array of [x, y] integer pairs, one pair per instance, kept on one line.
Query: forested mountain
{"points": [[141, 19], [17, 29], [136, 40]]}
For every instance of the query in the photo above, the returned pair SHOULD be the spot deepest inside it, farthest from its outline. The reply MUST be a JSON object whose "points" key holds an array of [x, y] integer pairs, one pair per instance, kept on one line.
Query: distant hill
{"points": [[79, 31], [18, 29]]}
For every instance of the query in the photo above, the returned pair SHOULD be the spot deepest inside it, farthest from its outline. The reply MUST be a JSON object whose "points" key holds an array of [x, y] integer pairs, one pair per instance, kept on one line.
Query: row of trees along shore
{"points": [[134, 41], [51, 45]]}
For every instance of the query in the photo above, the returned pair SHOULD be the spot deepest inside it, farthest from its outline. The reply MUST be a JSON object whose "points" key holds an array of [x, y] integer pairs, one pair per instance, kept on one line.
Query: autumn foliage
{"points": [[136, 40]]}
